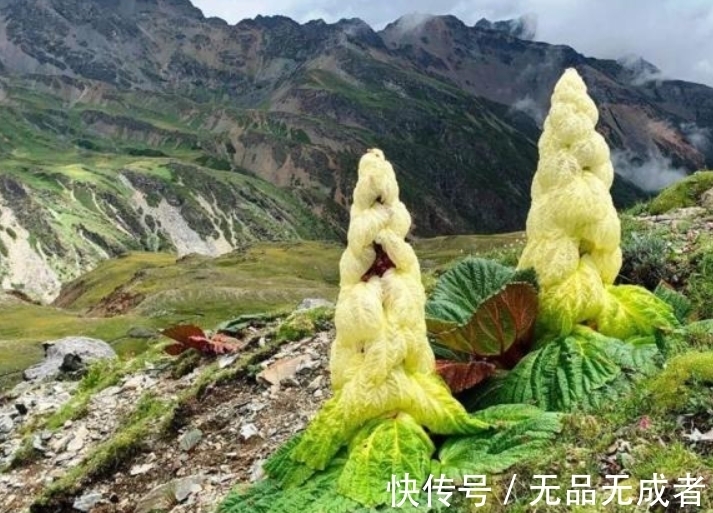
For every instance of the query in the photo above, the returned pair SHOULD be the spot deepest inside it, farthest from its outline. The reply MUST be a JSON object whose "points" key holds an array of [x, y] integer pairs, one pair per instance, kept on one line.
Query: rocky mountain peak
{"points": [[523, 27]]}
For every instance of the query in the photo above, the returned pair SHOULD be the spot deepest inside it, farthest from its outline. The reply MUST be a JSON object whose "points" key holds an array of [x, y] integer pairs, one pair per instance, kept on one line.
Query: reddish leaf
{"points": [[214, 345], [183, 332], [461, 376], [192, 337], [503, 321], [176, 349], [382, 263]]}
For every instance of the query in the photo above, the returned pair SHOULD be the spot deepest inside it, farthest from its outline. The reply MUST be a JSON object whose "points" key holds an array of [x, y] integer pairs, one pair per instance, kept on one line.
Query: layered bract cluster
{"points": [[381, 363], [573, 231]]}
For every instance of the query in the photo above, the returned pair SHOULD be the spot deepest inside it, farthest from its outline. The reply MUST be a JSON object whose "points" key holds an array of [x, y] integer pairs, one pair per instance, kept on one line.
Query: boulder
{"points": [[69, 354]]}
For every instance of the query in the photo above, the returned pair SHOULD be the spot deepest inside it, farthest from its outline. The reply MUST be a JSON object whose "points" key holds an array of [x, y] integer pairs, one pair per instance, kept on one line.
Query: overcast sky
{"points": [[675, 35]]}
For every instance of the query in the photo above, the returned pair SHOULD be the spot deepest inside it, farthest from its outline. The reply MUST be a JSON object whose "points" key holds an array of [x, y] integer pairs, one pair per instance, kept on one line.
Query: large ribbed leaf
{"points": [[567, 372], [525, 431], [631, 311], [382, 449], [482, 308]]}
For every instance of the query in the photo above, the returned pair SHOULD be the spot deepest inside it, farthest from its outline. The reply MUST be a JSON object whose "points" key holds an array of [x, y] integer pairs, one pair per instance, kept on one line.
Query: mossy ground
{"points": [[686, 193]]}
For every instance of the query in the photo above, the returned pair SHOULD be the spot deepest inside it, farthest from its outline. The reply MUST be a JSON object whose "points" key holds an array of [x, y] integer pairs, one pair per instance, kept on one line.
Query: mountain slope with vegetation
{"points": [[160, 432], [141, 125]]}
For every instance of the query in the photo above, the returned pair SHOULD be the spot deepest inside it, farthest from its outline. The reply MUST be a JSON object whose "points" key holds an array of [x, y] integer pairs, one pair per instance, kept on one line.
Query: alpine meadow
{"points": [[319, 267]]}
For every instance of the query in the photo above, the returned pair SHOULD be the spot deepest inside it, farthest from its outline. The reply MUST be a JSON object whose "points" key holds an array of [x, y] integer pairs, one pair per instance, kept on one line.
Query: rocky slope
{"points": [[141, 124], [158, 438]]}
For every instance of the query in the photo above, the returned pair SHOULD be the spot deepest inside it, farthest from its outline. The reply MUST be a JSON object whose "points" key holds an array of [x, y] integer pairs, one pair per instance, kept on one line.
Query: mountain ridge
{"points": [[154, 90]]}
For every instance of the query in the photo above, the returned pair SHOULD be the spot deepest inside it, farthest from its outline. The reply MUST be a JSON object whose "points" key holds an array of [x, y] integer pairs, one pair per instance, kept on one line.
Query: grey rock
{"points": [[138, 470], [248, 431], [141, 332], [189, 440], [68, 354], [257, 471], [311, 303], [161, 496], [187, 486], [78, 440], [37, 444], [6, 424], [315, 384], [87, 502]]}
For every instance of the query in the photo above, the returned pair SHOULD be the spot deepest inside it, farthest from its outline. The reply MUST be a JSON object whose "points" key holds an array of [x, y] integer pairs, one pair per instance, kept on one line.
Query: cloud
{"points": [[530, 107], [674, 35], [650, 174], [699, 138], [641, 70]]}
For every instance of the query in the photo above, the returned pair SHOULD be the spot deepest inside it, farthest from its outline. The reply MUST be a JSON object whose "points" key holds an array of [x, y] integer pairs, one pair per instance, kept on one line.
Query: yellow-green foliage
{"points": [[670, 389], [686, 193]]}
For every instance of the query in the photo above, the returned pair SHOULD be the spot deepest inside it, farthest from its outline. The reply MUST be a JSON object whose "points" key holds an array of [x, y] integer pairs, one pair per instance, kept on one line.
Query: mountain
{"points": [[144, 125]]}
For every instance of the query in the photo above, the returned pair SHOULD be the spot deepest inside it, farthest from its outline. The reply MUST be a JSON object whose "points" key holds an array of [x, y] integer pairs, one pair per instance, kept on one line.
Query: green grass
{"points": [[685, 193], [437, 252]]}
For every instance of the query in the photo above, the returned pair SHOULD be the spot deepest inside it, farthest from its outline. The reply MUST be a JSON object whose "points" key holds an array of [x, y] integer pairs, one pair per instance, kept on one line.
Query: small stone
{"points": [[109, 391], [227, 360], [67, 424], [316, 383], [87, 502], [78, 440], [284, 369], [312, 303], [256, 471], [134, 383], [187, 486], [189, 440], [37, 444], [248, 431], [138, 470], [59, 444], [318, 394]]}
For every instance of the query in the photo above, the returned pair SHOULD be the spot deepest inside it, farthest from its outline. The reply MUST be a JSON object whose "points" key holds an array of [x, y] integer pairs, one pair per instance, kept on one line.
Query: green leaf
{"points": [[525, 432], [639, 356], [681, 305], [317, 495], [560, 376], [700, 328], [631, 311], [482, 308], [382, 449], [284, 469]]}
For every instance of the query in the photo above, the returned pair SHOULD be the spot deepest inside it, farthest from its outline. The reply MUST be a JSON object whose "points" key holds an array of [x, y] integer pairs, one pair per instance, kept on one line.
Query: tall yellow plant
{"points": [[381, 363], [573, 231]]}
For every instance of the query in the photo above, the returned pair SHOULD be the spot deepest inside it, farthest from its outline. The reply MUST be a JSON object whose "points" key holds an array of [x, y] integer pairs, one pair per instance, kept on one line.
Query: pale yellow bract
{"points": [[382, 365], [381, 361], [573, 231]]}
